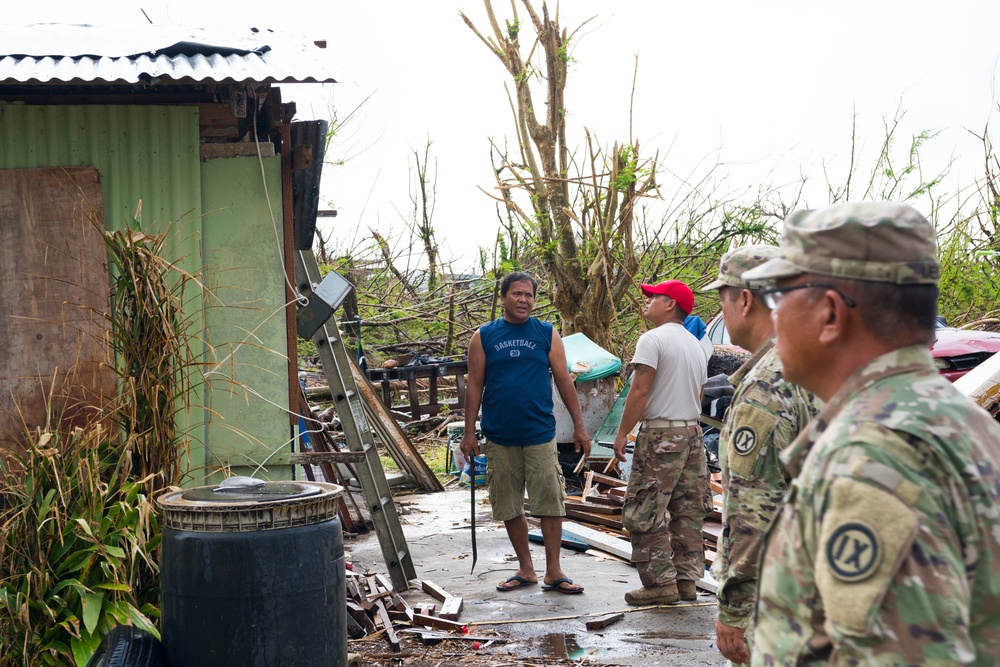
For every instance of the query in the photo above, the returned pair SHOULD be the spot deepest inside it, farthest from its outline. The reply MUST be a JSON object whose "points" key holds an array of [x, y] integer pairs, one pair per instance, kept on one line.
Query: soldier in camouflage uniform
{"points": [[765, 415], [665, 506], [887, 551]]}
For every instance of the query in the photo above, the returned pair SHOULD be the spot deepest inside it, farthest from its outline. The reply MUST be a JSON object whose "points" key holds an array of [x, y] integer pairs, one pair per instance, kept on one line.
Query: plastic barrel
{"points": [[253, 576]]}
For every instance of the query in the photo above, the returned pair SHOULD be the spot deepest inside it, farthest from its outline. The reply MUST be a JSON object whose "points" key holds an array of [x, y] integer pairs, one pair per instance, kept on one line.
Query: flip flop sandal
{"points": [[521, 583], [558, 587]]}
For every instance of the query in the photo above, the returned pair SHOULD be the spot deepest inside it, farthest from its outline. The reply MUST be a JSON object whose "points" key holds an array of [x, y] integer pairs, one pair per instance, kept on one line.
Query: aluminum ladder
{"points": [[336, 363]]}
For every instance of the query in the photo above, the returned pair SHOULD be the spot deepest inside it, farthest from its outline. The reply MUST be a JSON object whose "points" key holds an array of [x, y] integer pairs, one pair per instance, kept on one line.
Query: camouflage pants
{"points": [[667, 504]]}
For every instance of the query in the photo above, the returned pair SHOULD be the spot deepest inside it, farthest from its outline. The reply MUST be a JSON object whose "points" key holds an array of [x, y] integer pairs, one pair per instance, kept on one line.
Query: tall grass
{"points": [[78, 540], [78, 531]]}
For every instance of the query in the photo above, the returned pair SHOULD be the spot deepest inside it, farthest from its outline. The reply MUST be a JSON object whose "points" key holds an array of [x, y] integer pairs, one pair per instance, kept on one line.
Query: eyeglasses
{"points": [[773, 296]]}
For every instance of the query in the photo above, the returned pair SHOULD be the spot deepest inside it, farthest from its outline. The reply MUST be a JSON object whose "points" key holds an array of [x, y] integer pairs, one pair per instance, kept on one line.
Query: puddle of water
{"points": [[559, 645]]}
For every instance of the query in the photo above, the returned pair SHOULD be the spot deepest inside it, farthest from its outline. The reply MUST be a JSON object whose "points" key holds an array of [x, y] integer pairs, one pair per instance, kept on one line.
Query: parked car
{"points": [[955, 351]]}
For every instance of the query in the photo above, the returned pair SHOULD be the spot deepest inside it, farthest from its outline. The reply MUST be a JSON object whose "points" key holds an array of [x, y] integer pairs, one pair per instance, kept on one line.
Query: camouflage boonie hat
{"points": [[877, 241], [735, 262]]}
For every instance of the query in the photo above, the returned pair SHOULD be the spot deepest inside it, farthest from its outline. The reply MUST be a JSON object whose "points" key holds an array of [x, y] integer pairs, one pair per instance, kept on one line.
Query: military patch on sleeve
{"points": [[865, 534], [853, 551], [744, 440], [750, 428]]}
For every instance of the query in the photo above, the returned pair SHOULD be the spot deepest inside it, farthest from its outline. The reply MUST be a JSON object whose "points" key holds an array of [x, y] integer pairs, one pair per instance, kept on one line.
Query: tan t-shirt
{"points": [[681, 371]]}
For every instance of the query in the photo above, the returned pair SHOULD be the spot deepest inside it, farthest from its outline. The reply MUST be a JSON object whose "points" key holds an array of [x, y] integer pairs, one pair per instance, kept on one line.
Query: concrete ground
{"points": [[541, 627]]}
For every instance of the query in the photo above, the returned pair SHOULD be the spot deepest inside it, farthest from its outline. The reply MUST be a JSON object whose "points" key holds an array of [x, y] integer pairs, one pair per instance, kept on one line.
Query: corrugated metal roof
{"points": [[50, 53]]}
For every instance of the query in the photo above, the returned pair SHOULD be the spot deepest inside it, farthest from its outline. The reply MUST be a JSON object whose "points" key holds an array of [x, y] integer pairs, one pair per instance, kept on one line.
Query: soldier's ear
{"points": [[745, 301], [833, 316]]}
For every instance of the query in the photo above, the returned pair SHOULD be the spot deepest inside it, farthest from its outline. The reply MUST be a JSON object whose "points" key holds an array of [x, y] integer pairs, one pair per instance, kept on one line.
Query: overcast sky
{"points": [[773, 84]]}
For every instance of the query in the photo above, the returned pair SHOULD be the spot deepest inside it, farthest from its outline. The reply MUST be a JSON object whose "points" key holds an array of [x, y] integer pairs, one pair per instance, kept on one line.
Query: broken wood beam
{"points": [[451, 608], [598, 519], [594, 508], [608, 480], [425, 609], [392, 436], [597, 539], [434, 590], [438, 623], [587, 484], [605, 621], [390, 631]]}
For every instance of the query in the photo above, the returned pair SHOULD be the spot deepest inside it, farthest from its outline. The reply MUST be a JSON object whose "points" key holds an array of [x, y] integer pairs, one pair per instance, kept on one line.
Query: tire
{"points": [[127, 646]]}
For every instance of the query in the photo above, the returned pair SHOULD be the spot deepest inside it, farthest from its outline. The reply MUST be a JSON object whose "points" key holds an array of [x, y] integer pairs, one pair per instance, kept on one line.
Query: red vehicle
{"points": [[955, 351]]}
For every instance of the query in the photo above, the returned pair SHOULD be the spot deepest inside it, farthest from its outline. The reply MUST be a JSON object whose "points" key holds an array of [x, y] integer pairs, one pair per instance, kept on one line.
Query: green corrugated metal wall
{"points": [[151, 153], [245, 317]]}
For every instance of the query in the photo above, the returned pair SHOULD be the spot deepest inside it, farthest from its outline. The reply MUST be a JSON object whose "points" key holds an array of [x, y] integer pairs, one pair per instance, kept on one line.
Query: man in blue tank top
{"points": [[509, 363]]}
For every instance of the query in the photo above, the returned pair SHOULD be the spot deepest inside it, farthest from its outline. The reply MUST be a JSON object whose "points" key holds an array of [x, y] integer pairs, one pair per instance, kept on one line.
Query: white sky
{"points": [[773, 83]]}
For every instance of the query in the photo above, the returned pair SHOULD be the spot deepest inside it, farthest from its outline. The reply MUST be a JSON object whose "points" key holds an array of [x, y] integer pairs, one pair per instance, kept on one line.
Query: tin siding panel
{"points": [[245, 316]]}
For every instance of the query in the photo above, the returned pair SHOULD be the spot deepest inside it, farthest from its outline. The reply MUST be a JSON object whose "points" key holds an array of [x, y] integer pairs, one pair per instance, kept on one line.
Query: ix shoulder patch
{"points": [[744, 440], [853, 551], [751, 427], [860, 550]]}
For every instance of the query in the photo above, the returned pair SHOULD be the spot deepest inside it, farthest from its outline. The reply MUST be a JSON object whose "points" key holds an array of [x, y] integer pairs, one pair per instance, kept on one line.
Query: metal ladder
{"points": [[357, 432]]}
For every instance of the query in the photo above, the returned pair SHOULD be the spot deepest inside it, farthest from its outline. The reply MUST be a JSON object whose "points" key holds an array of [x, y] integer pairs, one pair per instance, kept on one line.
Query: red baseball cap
{"points": [[675, 289]]}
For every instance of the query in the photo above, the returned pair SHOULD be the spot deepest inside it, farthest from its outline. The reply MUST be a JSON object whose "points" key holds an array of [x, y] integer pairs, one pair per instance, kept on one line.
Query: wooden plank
{"points": [[613, 545], [587, 484], [608, 480], [595, 508], [434, 590], [598, 519], [384, 582], [605, 621], [216, 120], [390, 631], [438, 623], [425, 609], [597, 553], [619, 494], [451, 608], [603, 500], [53, 287], [712, 530], [392, 436], [361, 617]]}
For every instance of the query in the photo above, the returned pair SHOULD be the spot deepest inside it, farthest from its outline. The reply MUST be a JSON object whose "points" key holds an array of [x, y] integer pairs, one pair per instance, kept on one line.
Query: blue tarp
{"points": [[587, 360]]}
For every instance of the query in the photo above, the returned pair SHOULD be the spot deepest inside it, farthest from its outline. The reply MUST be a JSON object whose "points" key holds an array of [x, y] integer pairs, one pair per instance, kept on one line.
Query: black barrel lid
{"points": [[240, 489]]}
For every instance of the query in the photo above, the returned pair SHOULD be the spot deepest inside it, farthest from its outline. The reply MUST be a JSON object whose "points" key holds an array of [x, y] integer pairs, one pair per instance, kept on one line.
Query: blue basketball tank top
{"points": [[517, 392]]}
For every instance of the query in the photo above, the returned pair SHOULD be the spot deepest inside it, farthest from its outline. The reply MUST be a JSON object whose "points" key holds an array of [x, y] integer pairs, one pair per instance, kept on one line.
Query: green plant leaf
{"points": [[92, 603], [84, 648], [117, 552], [85, 525], [113, 587], [43, 509]]}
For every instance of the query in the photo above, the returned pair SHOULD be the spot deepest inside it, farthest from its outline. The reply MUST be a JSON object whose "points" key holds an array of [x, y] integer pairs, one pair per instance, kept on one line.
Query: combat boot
{"points": [[653, 595], [687, 590]]}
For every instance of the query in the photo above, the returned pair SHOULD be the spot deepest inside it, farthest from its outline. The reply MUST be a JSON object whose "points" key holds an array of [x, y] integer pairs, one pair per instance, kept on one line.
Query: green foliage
{"points": [[78, 532], [968, 270], [77, 554]]}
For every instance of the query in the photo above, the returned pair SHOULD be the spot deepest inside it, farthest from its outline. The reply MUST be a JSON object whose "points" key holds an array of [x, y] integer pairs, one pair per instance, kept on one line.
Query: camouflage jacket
{"points": [[887, 551], [764, 417]]}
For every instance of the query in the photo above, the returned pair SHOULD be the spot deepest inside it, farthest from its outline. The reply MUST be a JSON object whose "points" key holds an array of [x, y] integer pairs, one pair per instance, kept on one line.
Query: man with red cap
{"points": [[668, 486]]}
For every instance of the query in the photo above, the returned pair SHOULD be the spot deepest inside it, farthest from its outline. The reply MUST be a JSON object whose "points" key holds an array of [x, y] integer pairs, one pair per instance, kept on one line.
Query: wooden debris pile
{"points": [[595, 517], [374, 608]]}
